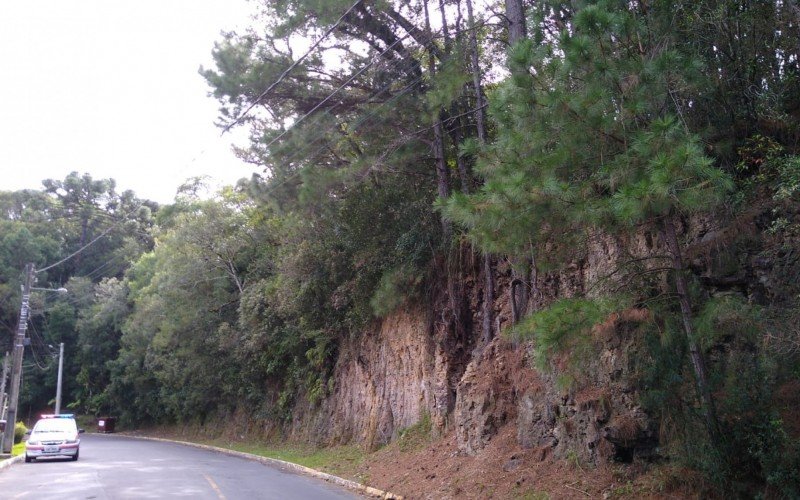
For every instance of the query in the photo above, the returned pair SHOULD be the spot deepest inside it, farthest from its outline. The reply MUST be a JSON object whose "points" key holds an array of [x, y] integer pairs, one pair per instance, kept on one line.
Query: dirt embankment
{"points": [[506, 470]]}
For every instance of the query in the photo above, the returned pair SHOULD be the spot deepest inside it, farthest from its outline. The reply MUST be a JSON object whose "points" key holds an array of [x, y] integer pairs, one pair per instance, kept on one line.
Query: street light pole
{"points": [[16, 369], [60, 372]]}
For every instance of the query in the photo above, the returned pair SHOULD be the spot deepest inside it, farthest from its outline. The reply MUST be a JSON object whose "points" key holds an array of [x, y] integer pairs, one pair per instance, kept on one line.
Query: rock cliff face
{"points": [[385, 382], [419, 361]]}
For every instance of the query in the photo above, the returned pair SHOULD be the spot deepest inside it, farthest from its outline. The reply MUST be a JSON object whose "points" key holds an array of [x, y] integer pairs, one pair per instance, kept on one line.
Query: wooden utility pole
{"points": [[16, 369], [3, 397], [3, 388]]}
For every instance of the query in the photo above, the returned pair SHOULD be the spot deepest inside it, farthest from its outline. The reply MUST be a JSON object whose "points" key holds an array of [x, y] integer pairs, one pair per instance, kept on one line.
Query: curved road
{"points": [[113, 467]]}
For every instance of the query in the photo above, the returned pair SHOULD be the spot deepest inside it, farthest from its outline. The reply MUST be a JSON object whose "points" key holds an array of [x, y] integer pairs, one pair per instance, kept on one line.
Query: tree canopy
{"points": [[389, 141]]}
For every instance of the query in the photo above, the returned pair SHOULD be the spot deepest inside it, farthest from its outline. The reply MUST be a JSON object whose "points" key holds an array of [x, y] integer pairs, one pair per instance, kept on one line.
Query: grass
{"points": [[18, 449], [343, 461], [417, 436], [86, 422], [534, 495], [337, 460]]}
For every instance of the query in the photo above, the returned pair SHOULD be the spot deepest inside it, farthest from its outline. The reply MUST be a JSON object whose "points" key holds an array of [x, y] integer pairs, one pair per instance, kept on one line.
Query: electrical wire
{"points": [[43, 365], [97, 272], [323, 133], [437, 34], [327, 112], [412, 136], [92, 242], [273, 187], [321, 136], [361, 120], [291, 67], [342, 86]]}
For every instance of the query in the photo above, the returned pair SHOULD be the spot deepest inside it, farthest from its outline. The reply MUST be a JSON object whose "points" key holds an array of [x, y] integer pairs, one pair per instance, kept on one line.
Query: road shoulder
{"points": [[8, 462]]}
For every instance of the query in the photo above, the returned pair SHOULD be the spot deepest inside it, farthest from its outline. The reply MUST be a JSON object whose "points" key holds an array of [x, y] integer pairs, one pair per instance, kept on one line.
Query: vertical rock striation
{"points": [[418, 361]]}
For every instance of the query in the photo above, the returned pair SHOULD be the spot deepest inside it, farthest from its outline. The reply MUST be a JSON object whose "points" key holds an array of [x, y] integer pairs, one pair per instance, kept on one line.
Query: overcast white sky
{"points": [[110, 87]]}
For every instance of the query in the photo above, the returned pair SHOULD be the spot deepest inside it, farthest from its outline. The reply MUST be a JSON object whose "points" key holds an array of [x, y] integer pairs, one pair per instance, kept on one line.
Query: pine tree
{"points": [[591, 136]]}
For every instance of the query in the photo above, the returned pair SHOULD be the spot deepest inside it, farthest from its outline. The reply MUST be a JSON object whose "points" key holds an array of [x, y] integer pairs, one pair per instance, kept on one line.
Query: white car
{"points": [[54, 436]]}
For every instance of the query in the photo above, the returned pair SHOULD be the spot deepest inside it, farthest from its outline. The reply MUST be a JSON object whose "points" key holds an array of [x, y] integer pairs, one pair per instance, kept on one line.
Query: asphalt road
{"points": [[112, 467]]}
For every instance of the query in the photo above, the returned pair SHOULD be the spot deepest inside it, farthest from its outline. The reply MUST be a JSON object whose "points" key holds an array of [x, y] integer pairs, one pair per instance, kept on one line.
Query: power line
{"points": [[291, 67], [376, 58], [355, 126], [84, 247], [43, 347], [402, 92], [98, 271], [353, 77], [321, 135]]}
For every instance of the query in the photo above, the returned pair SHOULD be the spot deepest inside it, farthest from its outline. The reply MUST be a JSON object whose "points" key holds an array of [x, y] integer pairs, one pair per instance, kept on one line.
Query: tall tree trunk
{"points": [[457, 137], [698, 364], [488, 298], [535, 293], [480, 121], [515, 17], [442, 173], [517, 30], [458, 111], [443, 189], [445, 29], [519, 295], [480, 101]]}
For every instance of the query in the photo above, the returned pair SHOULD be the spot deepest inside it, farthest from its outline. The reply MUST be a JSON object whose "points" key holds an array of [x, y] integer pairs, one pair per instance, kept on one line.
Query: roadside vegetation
{"points": [[447, 140], [336, 460]]}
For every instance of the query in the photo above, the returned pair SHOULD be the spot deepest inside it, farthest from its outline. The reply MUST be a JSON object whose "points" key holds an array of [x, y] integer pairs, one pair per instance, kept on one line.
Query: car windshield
{"points": [[55, 425]]}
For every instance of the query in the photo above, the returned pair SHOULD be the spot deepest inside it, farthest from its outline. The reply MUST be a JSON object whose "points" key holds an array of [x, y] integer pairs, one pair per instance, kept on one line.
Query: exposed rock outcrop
{"points": [[384, 383], [421, 360]]}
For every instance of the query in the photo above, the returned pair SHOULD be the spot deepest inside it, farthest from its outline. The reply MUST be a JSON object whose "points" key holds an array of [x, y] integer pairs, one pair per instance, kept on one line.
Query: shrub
{"points": [[19, 432], [565, 328], [756, 451], [416, 436], [395, 288]]}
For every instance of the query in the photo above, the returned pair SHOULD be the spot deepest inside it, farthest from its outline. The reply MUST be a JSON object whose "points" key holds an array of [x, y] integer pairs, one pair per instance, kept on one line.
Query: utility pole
{"points": [[3, 396], [60, 372], [16, 369], [3, 389]]}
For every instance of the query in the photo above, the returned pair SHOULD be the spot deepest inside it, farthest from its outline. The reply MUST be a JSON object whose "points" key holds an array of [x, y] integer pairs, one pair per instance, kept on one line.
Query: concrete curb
{"points": [[4, 464], [281, 464]]}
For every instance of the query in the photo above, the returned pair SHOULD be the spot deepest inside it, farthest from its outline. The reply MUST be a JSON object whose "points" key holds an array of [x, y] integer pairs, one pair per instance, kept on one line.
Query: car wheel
{"points": [[28, 459], [75, 456]]}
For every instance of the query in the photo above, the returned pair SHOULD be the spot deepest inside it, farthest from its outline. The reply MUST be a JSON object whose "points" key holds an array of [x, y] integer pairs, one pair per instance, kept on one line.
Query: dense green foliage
{"points": [[46, 227], [746, 374], [566, 326], [19, 432], [373, 172]]}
